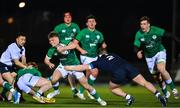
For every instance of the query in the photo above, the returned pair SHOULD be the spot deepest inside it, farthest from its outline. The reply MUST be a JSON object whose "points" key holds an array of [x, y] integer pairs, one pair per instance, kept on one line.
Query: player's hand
{"points": [[51, 65], [139, 54], [28, 67], [83, 52]]}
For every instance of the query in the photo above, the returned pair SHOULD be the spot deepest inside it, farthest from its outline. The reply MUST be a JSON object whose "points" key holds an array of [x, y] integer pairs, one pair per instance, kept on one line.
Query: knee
{"points": [[161, 69]]}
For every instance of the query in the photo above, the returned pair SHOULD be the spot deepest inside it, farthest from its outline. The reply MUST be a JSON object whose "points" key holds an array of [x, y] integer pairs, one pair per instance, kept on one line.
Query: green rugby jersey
{"points": [[69, 59], [32, 71], [90, 41], [150, 41], [67, 33]]}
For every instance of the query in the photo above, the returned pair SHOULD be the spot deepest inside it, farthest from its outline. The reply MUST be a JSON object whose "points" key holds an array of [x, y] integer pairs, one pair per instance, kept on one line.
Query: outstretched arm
{"points": [[82, 51], [61, 48], [77, 67]]}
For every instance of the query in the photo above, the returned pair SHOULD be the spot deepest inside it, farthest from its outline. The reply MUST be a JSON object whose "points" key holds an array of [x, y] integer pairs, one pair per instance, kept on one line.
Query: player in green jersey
{"points": [[66, 31], [148, 42], [9, 87], [30, 77], [68, 59], [90, 40]]}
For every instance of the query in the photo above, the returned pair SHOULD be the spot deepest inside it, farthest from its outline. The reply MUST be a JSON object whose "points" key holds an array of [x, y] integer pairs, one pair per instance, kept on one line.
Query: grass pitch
{"points": [[143, 98]]}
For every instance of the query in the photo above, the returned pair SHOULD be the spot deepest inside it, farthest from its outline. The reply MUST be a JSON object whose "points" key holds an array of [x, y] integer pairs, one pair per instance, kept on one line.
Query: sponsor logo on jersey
{"points": [[87, 36], [98, 37], [92, 44], [63, 31], [68, 38], [142, 39], [154, 36]]}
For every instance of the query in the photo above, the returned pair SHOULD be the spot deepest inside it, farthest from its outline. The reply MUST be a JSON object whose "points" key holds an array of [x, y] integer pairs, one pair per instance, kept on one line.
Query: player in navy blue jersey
{"points": [[120, 71]]}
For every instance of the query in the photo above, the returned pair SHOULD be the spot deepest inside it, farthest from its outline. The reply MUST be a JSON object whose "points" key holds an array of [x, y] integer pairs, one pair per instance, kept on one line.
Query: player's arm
{"points": [[23, 58], [138, 47], [70, 46], [19, 64], [138, 52], [80, 68], [15, 58], [81, 50], [48, 62]]}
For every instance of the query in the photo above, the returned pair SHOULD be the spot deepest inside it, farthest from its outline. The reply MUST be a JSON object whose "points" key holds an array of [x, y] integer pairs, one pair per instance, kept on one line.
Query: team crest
{"points": [[74, 30], [154, 36], [98, 37], [63, 31]]}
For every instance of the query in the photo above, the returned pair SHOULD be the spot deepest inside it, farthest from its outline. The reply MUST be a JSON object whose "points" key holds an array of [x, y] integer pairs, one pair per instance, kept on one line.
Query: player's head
{"points": [[102, 51], [145, 23], [21, 39], [67, 17], [91, 21], [33, 64], [53, 38]]}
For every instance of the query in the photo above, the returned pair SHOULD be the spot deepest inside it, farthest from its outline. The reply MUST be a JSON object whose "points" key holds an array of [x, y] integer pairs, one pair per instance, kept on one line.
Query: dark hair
{"points": [[52, 34], [20, 34], [34, 64], [145, 18], [90, 17], [67, 12]]}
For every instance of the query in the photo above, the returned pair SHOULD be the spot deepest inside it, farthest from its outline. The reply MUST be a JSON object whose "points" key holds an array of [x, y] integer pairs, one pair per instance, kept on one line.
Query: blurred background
{"points": [[117, 20]]}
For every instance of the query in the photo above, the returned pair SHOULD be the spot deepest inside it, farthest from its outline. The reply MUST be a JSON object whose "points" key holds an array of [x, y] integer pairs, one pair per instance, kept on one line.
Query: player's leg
{"points": [[161, 66], [57, 74], [91, 90], [115, 89], [139, 79], [9, 87], [90, 74], [168, 79], [156, 75], [13, 74], [42, 83], [71, 80], [162, 84], [55, 87], [26, 82], [10, 79]]}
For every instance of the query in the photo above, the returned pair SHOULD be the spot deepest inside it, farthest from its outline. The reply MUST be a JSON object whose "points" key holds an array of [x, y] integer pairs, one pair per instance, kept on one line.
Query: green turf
{"points": [[143, 98]]}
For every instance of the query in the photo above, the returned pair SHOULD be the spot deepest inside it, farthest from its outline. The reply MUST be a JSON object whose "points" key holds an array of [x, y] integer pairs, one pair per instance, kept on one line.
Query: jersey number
{"points": [[109, 57]]}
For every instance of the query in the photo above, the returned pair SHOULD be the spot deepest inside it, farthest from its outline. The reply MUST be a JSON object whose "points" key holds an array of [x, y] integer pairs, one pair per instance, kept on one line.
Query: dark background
{"points": [[118, 20]]}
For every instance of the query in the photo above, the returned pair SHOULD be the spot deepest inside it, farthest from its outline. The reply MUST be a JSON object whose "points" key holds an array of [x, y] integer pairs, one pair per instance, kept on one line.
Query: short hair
{"points": [[52, 34], [34, 64], [91, 16], [145, 18], [66, 13], [20, 34]]}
